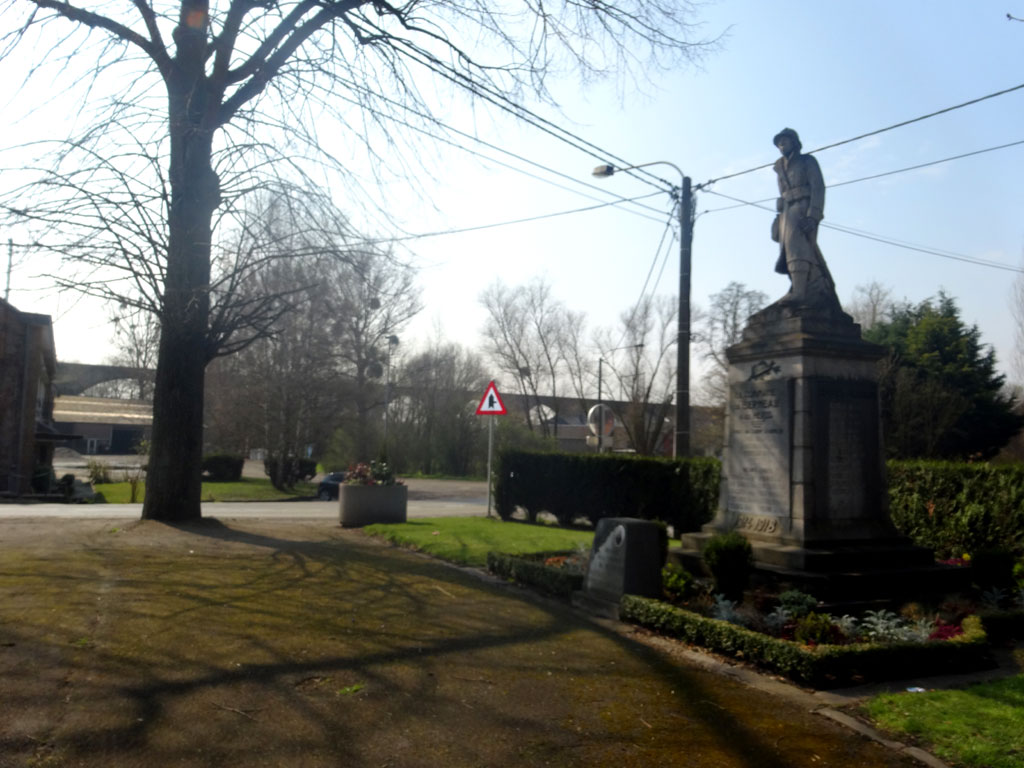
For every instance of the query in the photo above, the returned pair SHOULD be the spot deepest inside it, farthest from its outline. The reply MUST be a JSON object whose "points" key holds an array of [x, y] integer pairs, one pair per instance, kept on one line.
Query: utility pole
{"points": [[681, 443], [10, 261], [682, 437]]}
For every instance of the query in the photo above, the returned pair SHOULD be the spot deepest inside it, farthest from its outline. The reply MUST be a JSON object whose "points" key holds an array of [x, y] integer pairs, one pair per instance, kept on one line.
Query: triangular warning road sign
{"points": [[490, 403]]}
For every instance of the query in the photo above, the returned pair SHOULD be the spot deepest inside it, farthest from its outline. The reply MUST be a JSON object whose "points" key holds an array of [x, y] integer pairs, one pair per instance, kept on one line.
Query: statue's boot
{"points": [[799, 271]]}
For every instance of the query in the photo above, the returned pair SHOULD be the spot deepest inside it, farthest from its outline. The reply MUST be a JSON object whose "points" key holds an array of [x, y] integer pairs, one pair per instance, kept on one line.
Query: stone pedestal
{"points": [[803, 470]]}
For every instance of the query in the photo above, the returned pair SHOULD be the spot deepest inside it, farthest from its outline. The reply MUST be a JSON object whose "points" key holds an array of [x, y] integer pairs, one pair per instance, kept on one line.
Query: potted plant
{"points": [[371, 494]]}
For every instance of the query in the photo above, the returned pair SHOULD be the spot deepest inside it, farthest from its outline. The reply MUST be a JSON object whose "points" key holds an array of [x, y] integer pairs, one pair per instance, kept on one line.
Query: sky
{"points": [[831, 70]]}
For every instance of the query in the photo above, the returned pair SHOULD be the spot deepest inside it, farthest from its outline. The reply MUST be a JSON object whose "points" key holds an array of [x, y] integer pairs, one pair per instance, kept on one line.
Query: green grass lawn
{"points": [[981, 726], [247, 489], [467, 540]]}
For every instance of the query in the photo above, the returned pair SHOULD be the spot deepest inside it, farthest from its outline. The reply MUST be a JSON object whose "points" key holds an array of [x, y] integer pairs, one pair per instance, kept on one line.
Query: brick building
{"points": [[28, 365]]}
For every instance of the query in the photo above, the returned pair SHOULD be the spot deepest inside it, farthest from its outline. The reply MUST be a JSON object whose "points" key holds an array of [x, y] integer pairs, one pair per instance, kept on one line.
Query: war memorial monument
{"points": [[803, 466]]}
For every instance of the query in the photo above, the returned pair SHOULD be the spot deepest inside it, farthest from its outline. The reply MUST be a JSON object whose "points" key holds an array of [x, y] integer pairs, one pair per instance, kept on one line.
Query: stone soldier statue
{"points": [[801, 206]]}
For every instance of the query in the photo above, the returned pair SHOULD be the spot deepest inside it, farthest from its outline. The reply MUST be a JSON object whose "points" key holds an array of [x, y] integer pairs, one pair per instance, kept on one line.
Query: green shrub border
{"points": [[533, 573], [682, 493], [823, 666], [954, 508]]}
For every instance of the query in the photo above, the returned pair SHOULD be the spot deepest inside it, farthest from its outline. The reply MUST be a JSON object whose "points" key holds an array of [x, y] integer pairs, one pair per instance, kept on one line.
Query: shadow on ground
{"points": [[300, 644]]}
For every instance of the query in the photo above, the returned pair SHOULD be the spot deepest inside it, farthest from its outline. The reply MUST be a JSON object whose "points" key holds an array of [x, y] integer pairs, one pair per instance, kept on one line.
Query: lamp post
{"points": [[600, 401], [681, 442]]}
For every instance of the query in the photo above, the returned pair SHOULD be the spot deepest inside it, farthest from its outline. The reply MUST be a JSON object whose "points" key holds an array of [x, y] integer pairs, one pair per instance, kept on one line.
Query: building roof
{"points": [[75, 409]]}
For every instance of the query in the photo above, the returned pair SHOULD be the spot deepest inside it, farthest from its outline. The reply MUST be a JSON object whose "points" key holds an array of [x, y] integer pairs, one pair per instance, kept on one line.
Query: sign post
{"points": [[490, 405]]}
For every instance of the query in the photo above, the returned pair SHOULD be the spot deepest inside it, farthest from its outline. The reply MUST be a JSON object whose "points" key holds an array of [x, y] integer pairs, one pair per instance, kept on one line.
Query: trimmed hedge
{"points": [[948, 507], [223, 468], [553, 581], [682, 493], [955, 508], [822, 666]]}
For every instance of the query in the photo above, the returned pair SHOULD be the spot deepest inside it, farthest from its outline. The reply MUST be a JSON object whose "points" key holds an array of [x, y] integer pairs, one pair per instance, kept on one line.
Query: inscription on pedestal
{"points": [[757, 468], [845, 459], [850, 474]]}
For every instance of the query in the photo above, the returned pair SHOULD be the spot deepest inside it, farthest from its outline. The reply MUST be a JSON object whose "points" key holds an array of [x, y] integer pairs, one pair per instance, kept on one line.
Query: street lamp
{"points": [[600, 403], [681, 443]]}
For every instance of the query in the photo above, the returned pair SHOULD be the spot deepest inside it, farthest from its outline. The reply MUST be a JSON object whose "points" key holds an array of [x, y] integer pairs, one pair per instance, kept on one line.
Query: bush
{"points": [[99, 473], [676, 582], [797, 603], [285, 471], [815, 629], [822, 666], [222, 468], [729, 558], [680, 493], [948, 507], [559, 582], [956, 508]]}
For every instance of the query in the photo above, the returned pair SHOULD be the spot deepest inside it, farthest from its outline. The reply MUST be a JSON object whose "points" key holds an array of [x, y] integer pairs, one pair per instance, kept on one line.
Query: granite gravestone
{"points": [[626, 558]]}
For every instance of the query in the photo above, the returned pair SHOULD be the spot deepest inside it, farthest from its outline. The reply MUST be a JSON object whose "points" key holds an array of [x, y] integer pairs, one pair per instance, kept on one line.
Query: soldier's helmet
{"points": [[788, 132]]}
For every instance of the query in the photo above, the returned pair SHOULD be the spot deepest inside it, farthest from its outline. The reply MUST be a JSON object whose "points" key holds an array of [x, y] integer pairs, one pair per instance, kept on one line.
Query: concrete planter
{"points": [[368, 504]]}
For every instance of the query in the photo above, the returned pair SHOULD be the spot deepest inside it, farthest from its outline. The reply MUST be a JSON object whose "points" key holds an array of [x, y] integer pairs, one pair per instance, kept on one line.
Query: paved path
{"points": [[289, 642], [427, 498], [239, 510]]}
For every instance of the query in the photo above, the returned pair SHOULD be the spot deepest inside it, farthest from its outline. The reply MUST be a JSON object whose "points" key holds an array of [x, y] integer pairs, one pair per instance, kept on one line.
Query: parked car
{"points": [[328, 488]]}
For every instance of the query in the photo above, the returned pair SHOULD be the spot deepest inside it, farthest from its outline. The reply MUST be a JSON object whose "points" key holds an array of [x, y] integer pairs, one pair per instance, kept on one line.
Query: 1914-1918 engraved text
{"points": [[757, 524]]}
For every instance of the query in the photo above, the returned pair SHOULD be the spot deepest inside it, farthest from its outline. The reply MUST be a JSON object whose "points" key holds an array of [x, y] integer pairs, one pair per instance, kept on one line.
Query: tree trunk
{"points": [[174, 479]]}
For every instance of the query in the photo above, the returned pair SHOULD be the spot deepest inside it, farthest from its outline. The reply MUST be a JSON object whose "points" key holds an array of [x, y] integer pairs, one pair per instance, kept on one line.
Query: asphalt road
{"points": [[427, 498]]}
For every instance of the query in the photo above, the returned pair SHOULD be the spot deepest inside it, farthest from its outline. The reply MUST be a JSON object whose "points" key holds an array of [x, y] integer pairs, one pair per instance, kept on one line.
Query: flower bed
{"points": [[791, 634], [823, 665]]}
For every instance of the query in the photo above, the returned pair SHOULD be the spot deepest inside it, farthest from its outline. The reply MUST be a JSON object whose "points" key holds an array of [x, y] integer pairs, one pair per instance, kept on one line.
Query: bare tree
{"points": [[433, 413], [201, 89], [579, 367], [721, 327], [137, 335], [370, 306], [1017, 312], [527, 335], [647, 380], [317, 367], [871, 304]]}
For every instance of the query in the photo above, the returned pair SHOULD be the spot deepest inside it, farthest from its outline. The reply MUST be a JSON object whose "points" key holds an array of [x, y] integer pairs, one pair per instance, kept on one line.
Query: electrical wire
{"points": [[926, 165], [877, 175], [888, 241], [650, 271], [495, 224], [657, 255], [875, 132], [519, 111], [471, 137]]}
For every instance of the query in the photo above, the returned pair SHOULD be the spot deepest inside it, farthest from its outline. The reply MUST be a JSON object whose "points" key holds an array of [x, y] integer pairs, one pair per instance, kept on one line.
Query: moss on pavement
{"points": [[285, 643]]}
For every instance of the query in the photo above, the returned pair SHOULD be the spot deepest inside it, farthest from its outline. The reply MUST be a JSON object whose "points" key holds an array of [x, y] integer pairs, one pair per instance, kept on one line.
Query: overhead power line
{"points": [[445, 127], [928, 164], [881, 239], [504, 103], [492, 225], [875, 132], [878, 175]]}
